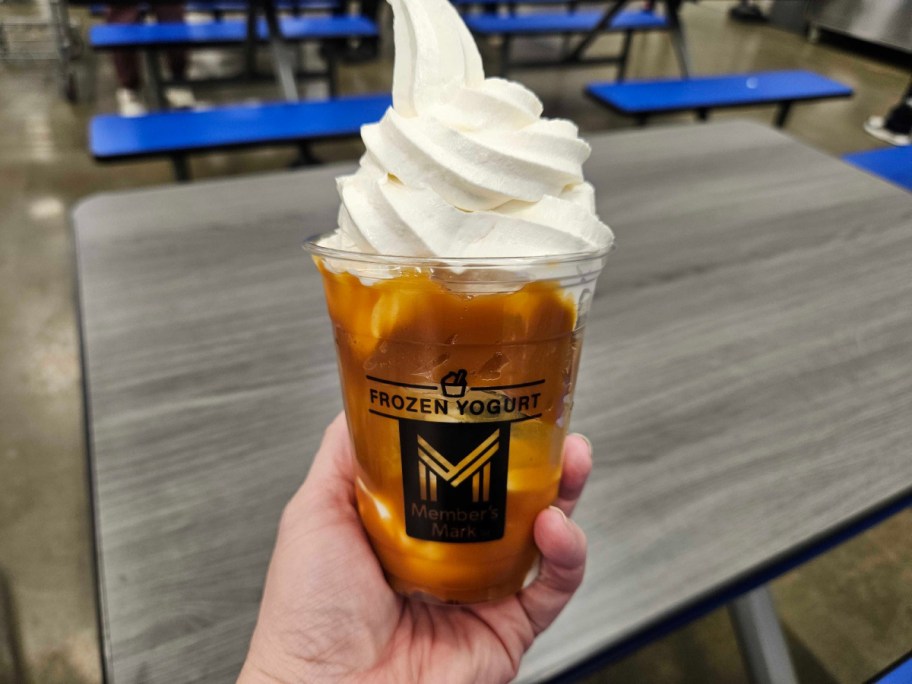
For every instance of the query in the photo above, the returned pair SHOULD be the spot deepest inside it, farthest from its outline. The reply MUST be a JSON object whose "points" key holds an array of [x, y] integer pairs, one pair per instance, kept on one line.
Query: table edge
{"points": [[740, 584], [106, 659]]}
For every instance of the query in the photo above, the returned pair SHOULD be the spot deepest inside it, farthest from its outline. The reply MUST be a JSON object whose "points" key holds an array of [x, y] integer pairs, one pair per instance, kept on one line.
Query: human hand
{"points": [[328, 615]]}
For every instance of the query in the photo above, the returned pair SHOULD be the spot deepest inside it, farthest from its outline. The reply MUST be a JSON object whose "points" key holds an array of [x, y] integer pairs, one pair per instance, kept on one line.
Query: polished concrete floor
{"points": [[846, 614]]}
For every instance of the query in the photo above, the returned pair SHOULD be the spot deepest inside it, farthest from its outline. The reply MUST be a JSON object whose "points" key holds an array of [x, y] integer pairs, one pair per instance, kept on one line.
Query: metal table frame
{"points": [[575, 55]]}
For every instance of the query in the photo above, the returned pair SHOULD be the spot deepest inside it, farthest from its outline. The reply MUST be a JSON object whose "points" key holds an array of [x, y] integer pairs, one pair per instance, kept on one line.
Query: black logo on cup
{"points": [[454, 441], [454, 479]]}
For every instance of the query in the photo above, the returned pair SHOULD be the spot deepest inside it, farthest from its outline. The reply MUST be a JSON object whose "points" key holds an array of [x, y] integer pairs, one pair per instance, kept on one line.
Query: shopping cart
{"points": [[50, 35]]}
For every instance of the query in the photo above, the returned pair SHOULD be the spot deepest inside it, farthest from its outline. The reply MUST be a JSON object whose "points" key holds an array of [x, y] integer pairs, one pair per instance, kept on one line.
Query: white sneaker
{"points": [[180, 98], [129, 103], [875, 126]]}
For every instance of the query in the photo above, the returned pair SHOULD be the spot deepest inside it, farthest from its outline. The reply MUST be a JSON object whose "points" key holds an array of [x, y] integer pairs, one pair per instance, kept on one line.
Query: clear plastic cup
{"points": [[458, 379]]}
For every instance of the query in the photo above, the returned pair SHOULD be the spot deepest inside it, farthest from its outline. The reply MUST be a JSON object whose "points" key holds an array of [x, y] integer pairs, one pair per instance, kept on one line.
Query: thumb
{"points": [[563, 561]]}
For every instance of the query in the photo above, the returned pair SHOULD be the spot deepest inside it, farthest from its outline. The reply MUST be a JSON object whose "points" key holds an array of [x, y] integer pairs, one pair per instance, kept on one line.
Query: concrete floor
{"points": [[847, 613]]}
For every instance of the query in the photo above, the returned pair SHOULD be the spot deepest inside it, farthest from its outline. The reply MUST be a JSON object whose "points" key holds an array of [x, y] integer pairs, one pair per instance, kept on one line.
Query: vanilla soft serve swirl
{"points": [[463, 166]]}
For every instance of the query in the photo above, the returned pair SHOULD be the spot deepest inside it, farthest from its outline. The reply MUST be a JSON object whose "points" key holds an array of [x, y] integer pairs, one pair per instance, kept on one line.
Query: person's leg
{"points": [[899, 119], [371, 9], [896, 127], [178, 97], [126, 62], [177, 57], [908, 95], [367, 48], [332, 49]]}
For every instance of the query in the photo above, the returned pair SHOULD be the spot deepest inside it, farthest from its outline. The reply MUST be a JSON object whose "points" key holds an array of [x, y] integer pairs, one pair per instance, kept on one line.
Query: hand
{"points": [[328, 615]]}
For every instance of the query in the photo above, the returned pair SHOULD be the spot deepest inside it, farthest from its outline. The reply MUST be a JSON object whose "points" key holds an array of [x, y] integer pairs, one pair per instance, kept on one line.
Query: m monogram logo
{"points": [[433, 466], [454, 479]]}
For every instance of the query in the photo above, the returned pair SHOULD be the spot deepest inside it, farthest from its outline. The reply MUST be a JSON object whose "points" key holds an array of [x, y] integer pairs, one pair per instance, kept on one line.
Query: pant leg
{"points": [[371, 9], [177, 57], [126, 62], [899, 119]]}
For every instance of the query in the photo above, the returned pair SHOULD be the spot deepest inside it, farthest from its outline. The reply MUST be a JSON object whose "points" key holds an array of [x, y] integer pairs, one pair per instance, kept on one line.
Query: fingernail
{"points": [[585, 439], [563, 515]]}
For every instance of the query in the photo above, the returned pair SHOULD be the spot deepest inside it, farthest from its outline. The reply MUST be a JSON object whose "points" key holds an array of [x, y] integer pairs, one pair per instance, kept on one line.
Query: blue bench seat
{"points": [[177, 133], [241, 6], [544, 23], [469, 3], [899, 672], [893, 164], [114, 137], [111, 36], [642, 99], [210, 6]]}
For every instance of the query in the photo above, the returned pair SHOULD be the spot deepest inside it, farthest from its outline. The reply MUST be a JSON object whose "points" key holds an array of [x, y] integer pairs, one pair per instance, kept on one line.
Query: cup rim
{"points": [[312, 245]]}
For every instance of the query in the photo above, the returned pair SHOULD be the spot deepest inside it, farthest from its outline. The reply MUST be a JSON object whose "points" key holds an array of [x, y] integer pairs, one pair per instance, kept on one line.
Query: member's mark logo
{"points": [[454, 478], [476, 464]]}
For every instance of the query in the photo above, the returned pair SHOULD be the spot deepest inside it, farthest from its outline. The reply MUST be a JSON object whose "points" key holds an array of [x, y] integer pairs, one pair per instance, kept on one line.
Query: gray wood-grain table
{"points": [[746, 382]]}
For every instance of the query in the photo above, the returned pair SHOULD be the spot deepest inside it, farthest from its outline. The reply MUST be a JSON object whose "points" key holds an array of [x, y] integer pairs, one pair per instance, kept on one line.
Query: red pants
{"points": [[126, 62]]}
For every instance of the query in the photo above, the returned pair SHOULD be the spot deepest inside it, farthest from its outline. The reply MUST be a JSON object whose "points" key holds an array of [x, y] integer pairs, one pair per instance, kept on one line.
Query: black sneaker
{"points": [[899, 120], [747, 13], [896, 128]]}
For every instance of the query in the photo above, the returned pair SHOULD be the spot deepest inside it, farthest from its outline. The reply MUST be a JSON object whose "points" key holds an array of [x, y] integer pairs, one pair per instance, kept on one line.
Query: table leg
{"points": [[153, 68], [567, 37], [250, 44], [625, 54], [181, 168], [305, 158], [281, 60], [593, 35], [678, 41], [332, 69], [64, 41], [782, 115], [760, 637], [505, 56]]}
